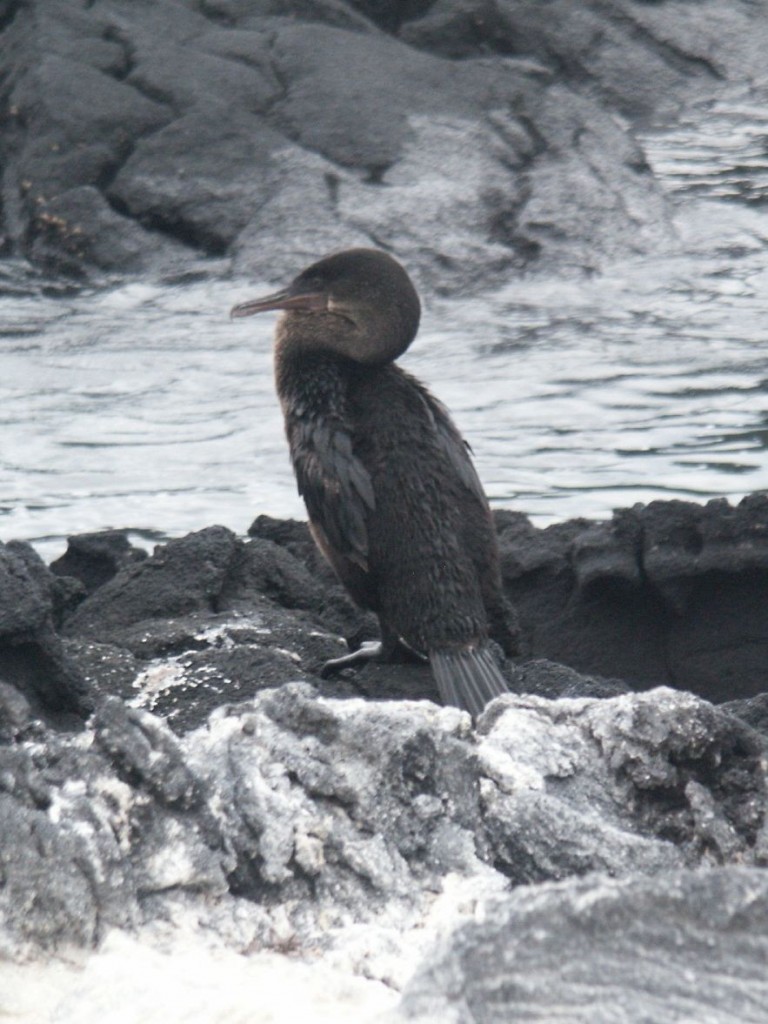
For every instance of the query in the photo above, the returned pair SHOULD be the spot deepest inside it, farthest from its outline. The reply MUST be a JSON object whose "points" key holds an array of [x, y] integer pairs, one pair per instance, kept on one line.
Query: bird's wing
{"points": [[335, 485]]}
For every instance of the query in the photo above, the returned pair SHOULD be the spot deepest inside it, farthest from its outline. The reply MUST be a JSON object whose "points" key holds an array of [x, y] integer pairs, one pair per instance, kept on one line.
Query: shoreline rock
{"points": [[481, 141], [666, 594], [478, 143], [630, 948], [221, 784]]}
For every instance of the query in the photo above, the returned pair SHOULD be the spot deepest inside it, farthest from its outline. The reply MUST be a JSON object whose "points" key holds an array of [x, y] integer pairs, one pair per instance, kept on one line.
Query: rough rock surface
{"points": [[32, 657], [629, 950], [671, 592], [221, 785], [324, 808], [479, 139], [295, 822], [636, 57]]}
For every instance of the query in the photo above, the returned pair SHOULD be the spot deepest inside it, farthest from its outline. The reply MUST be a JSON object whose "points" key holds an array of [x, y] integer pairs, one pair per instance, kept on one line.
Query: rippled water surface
{"points": [[147, 407]]}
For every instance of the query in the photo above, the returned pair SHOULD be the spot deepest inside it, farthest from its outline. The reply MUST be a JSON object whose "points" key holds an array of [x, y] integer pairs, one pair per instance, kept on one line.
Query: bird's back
{"points": [[429, 532]]}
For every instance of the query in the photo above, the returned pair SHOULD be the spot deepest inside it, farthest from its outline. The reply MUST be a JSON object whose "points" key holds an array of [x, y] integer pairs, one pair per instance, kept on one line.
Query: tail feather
{"points": [[467, 677]]}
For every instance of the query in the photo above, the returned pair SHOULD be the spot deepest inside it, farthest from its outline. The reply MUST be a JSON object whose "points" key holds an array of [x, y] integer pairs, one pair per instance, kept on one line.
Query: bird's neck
{"points": [[312, 381]]}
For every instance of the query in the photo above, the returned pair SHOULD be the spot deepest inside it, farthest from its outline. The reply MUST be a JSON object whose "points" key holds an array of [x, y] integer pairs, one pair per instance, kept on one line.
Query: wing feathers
{"points": [[335, 485], [453, 444]]}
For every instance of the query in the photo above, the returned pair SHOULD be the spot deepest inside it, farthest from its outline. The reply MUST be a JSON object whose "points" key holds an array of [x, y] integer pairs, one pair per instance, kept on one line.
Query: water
{"points": [[146, 407], [719, 150]]}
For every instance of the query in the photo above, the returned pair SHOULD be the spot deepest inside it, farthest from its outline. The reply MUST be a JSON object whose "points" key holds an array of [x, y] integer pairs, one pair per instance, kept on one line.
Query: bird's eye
{"points": [[313, 282]]}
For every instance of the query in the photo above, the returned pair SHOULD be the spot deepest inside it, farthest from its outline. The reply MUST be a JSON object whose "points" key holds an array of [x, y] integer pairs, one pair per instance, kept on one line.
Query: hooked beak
{"points": [[309, 302]]}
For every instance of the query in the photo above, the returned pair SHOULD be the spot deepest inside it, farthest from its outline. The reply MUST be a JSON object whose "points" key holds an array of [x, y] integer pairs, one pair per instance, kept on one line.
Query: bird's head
{"points": [[359, 303]]}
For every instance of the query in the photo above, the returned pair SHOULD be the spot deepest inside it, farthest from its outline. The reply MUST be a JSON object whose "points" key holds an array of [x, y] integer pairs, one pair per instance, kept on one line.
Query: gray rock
{"points": [[671, 592], [305, 198], [187, 668], [678, 946], [238, 77], [319, 812], [32, 657], [618, 785], [86, 121], [202, 178], [245, 13], [215, 125], [278, 816], [15, 713], [65, 876], [81, 226], [392, 84], [391, 15], [479, 139], [106, 668], [638, 57], [40, 907], [752, 710], [205, 620], [604, 607], [94, 558], [400, 806], [209, 618], [25, 598], [541, 678], [81, 848], [146, 755], [181, 577]]}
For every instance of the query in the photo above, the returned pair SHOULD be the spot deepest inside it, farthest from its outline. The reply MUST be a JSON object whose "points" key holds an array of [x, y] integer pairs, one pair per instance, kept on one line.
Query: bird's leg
{"points": [[401, 653], [390, 649], [369, 650], [395, 650]]}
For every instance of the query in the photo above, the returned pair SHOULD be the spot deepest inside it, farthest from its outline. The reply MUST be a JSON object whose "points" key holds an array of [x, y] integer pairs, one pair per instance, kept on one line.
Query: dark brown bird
{"points": [[393, 499]]}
